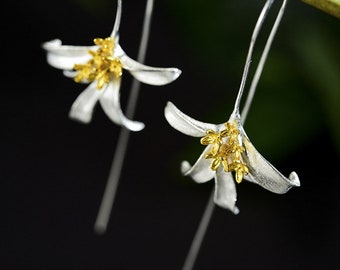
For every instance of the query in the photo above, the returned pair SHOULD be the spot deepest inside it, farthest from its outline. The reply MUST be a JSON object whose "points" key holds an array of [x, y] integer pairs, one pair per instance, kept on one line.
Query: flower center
{"points": [[226, 150], [103, 66]]}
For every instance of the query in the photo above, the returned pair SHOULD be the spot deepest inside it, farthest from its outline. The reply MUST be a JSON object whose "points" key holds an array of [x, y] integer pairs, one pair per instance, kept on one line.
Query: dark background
{"points": [[54, 170]]}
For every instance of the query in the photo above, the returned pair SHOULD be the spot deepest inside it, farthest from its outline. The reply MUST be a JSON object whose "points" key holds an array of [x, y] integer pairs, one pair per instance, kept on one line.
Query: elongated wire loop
{"points": [[254, 36], [262, 61], [105, 208], [116, 25], [208, 212]]}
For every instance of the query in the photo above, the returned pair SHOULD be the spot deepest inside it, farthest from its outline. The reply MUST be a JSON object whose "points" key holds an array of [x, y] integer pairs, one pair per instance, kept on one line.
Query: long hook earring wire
{"points": [[207, 215], [103, 216]]}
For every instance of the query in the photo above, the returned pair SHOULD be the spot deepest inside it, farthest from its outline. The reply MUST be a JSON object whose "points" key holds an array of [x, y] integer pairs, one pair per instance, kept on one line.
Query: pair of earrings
{"points": [[229, 155]]}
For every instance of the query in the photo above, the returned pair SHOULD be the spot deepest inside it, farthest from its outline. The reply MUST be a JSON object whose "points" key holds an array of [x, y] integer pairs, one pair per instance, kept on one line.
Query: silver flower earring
{"points": [[229, 155], [102, 66]]}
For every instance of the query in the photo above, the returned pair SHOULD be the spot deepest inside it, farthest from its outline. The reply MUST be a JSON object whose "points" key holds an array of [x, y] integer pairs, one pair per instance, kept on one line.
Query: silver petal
{"points": [[264, 173], [146, 74], [82, 107], [66, 56], [200, 172], [110, 101], [225, 191], [185, 123]]}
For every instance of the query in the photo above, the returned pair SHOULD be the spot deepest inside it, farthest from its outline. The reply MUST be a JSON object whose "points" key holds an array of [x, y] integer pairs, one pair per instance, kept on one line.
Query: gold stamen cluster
{"points": [[103, 67], [226, 150]]}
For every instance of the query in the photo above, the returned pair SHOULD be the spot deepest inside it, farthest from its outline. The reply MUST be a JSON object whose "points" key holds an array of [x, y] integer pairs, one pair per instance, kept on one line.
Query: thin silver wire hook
{"points": [[210, 206], [105, 208], [118, 19]]}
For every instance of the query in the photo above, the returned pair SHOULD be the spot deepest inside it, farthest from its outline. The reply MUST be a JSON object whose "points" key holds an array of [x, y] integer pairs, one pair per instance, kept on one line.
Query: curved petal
{"points": [[264, 173], [200, 172], [184, 123], [82, 107], [65, 56], [110, 101], [72, 74], [147, 74], [156, 76], [225, 191]]}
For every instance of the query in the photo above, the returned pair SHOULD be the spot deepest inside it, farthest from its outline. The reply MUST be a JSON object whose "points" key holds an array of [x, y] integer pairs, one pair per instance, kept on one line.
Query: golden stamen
{"points": [[103, 67], [226, 150]]}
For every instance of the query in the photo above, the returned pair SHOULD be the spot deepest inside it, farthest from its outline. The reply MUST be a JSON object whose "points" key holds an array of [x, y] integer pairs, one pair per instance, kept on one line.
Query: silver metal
{"points": [[103, 216], [208, 212]]}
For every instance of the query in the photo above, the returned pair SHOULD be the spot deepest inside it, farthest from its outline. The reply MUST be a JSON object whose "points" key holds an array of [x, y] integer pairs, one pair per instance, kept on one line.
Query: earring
{"points": [[229, 155], [102, 66]]}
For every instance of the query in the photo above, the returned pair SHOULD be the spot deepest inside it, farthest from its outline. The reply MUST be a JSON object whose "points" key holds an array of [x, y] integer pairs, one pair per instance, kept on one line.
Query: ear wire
{"points": [[210, 206], [254, 36], [262, 61], [105, 208], [116, 25]]}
